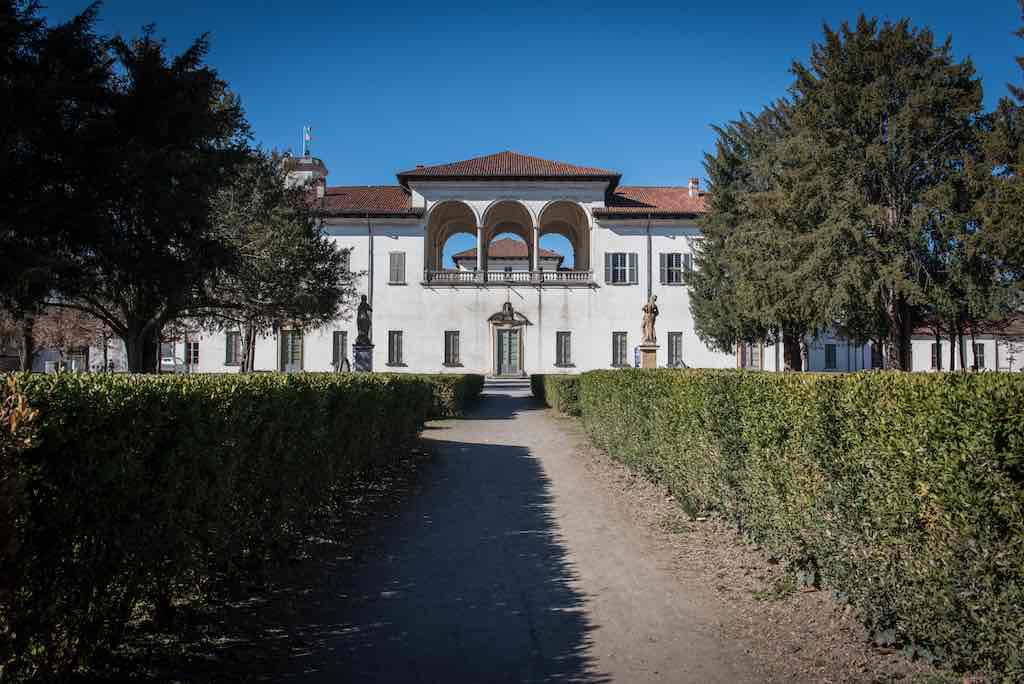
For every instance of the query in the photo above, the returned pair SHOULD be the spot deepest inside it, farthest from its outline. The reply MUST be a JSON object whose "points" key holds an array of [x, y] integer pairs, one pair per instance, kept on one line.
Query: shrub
{"points": [[560, 392], [131, 490], [902, 492], [453, 393]]}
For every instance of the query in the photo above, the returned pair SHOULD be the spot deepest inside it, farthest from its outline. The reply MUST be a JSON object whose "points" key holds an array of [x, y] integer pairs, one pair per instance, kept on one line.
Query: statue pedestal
{"points": [[362, 358], [648, 355]]}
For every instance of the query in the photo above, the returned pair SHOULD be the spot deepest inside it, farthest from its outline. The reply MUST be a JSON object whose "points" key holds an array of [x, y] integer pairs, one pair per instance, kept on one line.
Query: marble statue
{"points": [[650, 314]]}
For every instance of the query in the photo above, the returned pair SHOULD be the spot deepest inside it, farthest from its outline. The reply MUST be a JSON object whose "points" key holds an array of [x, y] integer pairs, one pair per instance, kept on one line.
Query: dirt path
{"points": [[511, 566]]}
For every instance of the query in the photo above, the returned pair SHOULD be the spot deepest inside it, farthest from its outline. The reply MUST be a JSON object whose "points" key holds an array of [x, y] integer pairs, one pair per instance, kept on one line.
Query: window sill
{"points": [[397, 283], [674, 284], [233, 364], [619, 284], [565, 365], [621, 365], [397, 365], [452, 365]]}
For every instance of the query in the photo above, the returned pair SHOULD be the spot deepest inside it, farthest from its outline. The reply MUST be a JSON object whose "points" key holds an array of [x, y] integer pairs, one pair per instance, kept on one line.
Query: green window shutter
{"points": [[632, 271], [607, 267], [663, 267]]}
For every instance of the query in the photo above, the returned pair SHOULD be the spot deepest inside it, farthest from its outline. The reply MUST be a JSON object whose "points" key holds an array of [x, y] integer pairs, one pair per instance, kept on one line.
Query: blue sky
{"points": [[627, 86]]}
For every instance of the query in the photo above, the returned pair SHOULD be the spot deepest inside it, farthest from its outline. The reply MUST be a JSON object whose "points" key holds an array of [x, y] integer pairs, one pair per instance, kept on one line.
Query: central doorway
{"points": [[508, 352]]}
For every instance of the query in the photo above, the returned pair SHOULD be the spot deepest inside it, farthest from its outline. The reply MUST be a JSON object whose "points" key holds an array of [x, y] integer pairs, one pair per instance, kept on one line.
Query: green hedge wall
{"points": [[560, 392], [904, 493], [453, 393], [126, 491]]}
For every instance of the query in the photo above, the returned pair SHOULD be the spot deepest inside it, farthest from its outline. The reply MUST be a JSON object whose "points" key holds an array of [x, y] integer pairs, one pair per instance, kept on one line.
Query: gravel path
{"points": [[512, 565]]}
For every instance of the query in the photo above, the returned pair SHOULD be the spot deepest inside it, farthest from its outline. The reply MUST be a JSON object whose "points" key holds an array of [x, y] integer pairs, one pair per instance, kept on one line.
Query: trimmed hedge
{"points": [[453, 393], [560, 392], [129, 491], [904, 493]]}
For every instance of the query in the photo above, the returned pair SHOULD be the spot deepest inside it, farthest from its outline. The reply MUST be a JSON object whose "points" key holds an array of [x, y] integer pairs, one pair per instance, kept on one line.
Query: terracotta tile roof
{"points": [[636, 201], [369, 200], [509, 165], [507, 248]]}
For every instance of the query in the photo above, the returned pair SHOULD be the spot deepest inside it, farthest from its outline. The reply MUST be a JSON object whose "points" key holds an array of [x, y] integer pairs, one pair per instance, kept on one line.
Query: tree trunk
{"points": [[963, 355], [974, 349], [898, 348], [142, 346], [938, 349], [792, 358], [952, 348], [26, 330], [248, 347]]}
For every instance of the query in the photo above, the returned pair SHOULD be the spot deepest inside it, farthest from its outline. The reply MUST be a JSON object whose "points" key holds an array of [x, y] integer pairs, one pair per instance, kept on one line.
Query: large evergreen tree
{"points": [[1000, 181], [53, 95], [882, 115], [173, 134], [751, 282]]}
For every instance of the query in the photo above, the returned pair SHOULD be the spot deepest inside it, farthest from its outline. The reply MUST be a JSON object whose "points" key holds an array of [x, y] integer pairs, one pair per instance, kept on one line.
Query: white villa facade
{"points": [[508, 307], [628, 242]]}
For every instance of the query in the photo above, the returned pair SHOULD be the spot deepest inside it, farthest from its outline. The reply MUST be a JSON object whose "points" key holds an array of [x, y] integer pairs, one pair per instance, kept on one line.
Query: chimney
{"points": [[694, 186], [419, 166]]}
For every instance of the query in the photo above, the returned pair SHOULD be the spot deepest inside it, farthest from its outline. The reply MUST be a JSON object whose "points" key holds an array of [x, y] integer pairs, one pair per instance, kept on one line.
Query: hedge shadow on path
{"points": [[470, 584]]}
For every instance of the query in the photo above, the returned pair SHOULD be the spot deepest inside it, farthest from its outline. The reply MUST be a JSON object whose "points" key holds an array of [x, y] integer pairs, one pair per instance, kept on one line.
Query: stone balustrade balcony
{"points": [[457, 278]]}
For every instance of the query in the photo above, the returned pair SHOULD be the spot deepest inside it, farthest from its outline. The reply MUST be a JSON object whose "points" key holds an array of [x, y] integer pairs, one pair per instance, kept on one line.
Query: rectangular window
{"points": [[749, 355], [395, 348], [451, 348], [671, 267], [233, 348], [830, 357], [688, 263], [291, 351], [396, 268], [563, 348], [675, 349], [979, 356], [620, 268], [618, 349], [936, 355], [192, 353], [339, 348]]}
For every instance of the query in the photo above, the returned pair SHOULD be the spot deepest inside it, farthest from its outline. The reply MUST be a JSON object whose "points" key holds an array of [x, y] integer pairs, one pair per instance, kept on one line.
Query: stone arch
{"points": [[447, 218], [508, 216], [568, 218]]}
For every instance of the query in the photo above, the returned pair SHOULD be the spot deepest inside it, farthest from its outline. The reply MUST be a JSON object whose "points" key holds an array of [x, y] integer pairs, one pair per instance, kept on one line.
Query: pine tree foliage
{"points": [[741, 290], [876, 197], [52, 91], [884, 114]]}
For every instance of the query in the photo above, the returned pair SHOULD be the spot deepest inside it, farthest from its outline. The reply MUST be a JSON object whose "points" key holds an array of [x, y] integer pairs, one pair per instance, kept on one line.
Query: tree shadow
{"points": [[462, 577], [469, 584]]}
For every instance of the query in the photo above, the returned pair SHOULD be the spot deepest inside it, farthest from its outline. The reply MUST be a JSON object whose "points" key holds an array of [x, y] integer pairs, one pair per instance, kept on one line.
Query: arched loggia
{"points": [[568, 219], [446, 219], [508, 216]]}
